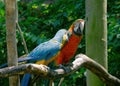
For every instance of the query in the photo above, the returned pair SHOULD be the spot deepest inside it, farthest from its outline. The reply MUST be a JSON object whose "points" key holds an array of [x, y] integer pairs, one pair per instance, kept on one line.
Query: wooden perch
{"points": [[80, 61]]}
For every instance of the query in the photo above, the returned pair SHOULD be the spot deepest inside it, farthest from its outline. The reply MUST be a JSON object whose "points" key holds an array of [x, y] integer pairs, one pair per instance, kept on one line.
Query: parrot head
{"points": [[77, 27], [62, 36]]}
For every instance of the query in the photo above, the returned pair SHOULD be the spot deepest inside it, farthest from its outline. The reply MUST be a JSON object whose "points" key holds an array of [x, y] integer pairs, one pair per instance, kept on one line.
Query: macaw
{"points": [[60, 49], [68, 51], [46, 52]]}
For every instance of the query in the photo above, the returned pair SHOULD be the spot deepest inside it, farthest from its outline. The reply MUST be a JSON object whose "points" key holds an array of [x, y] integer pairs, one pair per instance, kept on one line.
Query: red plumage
{"points": [[71, 46]]}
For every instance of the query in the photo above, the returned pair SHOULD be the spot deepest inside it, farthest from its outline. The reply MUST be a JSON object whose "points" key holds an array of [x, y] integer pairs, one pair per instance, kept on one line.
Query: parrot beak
{"points": [[82, 26], [79, 27]]}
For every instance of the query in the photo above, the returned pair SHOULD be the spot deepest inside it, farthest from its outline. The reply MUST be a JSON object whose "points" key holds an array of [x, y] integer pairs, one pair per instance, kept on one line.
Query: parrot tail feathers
{"points": [[19, 60], [3, 65], [25, 80]]}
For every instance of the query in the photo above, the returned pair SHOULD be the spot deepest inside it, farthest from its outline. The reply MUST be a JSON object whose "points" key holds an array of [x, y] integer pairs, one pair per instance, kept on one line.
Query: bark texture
{"points": [[96, 36]]}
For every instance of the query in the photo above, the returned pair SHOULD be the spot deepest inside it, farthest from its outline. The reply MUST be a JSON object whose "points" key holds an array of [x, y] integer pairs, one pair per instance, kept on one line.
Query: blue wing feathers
{"points": [[46, 50], [43, 51], [25, 79], [3, 65]]}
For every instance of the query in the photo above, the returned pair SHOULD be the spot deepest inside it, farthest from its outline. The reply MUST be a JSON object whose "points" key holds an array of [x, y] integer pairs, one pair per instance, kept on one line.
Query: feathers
{"points": [[25, 80], [46, 52], [68, 51], [60, 48], [3, 65], [77, 27]]}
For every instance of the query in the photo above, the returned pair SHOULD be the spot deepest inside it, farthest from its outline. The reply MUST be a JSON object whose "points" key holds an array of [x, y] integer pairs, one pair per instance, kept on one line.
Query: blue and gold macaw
{"points": [[46, 52]]}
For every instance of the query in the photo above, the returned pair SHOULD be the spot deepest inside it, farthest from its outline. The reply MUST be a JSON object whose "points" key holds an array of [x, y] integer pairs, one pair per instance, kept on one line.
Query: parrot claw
{"points": [[66, 69]]}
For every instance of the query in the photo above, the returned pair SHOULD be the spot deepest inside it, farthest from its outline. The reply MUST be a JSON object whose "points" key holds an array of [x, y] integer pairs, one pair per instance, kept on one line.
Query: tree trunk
{"points": [[96, 36], [11, 38]]}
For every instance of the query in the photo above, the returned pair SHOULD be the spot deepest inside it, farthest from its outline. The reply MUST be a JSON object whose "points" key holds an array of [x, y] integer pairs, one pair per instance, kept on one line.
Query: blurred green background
{"points": [[41, 19]]}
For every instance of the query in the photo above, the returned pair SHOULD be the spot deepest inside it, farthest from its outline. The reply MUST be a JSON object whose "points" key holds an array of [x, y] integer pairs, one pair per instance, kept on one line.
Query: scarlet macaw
{"points": [[68, 51]]}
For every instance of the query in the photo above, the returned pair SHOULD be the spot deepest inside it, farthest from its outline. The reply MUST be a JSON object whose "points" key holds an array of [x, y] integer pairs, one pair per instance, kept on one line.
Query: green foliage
{"points": [[39, 22], [3, 53], [2, 33], [44, 20], [113, 39], [114, 46]]}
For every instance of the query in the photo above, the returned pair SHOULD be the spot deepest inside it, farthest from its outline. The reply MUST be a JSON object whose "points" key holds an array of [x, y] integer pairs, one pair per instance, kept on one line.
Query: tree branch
{"points": [[22, 37], [80, 61], [97, 69]]}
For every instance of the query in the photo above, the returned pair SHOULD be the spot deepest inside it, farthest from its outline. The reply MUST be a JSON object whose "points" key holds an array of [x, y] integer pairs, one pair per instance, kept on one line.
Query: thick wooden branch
{"points": [[97, 69], [80, 61]]}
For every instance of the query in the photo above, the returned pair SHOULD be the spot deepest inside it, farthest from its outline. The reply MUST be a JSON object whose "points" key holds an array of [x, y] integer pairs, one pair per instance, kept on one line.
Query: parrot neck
{"points": [[69, 49], [71, 28]]}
